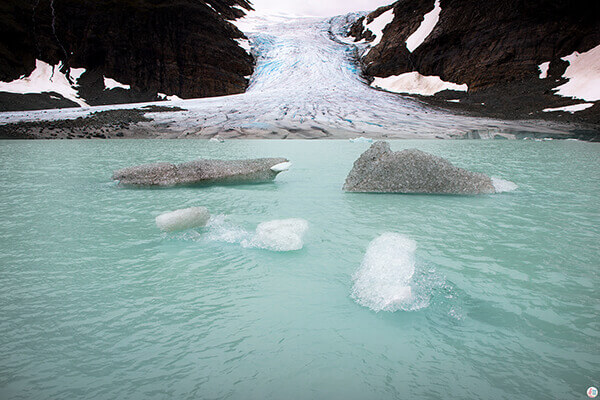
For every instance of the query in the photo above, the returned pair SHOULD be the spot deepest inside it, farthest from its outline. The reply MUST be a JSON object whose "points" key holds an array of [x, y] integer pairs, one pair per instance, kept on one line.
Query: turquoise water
{"points": [[97, 303]]}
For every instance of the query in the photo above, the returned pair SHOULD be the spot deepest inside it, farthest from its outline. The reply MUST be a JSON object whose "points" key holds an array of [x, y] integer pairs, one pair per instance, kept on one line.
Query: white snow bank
{"points": [[279, 235], [110, 84], [430, 20], [284, 166], [382, 283], [570, 109], [46, 78], [378, 25], [181, 220], [583, 73], [543, 67], [415, 83], [502, 185]]}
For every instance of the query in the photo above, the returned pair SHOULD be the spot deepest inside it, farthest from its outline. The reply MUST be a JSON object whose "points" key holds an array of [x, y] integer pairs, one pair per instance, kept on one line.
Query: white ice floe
{"points": [[180, 220], [46, 78], [502, 185], [244, 44], [382, 283], [110, 84], [279, 235], [361, 140], [284, 166], [543, 67], [430, 20], [415, 83], [378, 25], [583, 73], [570, 109]]}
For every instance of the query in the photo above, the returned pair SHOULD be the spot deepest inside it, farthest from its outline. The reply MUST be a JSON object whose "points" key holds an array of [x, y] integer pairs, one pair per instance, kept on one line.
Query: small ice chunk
{"points": [[502, 185], [382, 283], [284, 166], [279, 235], [180, 220]]}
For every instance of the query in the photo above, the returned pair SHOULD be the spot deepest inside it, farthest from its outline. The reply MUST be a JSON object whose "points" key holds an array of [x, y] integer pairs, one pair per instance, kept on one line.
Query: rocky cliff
{"points": [[143, 47], [512, 55]]}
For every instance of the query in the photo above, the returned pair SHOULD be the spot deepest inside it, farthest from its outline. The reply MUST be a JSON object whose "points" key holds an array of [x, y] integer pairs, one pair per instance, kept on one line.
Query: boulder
{"points": [[412, 171], [202, 172]]}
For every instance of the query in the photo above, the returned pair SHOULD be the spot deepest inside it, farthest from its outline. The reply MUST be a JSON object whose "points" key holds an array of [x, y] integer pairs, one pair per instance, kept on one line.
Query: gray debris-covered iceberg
{"points": [[202, 172], [412, 171]]}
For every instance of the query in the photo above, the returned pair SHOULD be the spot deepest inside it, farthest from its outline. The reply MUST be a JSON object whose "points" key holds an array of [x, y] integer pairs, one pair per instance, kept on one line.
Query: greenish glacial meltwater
{"points": [[495, 296]]}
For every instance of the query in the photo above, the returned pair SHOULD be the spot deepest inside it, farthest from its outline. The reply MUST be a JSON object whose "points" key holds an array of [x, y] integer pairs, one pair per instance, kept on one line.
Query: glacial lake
{"points": [[96, 302]]}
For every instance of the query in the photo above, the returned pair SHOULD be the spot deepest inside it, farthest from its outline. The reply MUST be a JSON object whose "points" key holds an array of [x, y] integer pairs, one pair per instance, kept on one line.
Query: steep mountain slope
{"points": [[186, 48], [510, 54]]}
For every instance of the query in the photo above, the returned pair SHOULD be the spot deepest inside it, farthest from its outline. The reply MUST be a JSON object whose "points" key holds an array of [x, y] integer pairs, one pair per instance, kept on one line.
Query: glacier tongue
{"points": [[307, 84]]}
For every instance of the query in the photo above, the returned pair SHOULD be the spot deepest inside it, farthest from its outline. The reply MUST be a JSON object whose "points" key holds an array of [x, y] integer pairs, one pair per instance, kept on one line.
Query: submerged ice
{"points": [[180, 220], [382, 283], [275, 235]]}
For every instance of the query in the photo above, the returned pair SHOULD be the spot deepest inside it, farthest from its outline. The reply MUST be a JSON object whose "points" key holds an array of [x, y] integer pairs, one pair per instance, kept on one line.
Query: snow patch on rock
{"points": [[110, 84], [46, 78], [430, 20], [543, 67], [583, 74], [570, 109], [415, 83], [378, 25]]}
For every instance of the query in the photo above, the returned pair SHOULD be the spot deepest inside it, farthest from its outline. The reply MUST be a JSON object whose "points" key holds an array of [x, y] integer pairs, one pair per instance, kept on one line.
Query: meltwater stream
{"points": [[379, 296], [307, 85]]}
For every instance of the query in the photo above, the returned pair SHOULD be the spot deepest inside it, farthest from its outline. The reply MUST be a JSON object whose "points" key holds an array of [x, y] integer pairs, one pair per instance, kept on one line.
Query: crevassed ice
{"points": [[430, 20], [382, 283]]}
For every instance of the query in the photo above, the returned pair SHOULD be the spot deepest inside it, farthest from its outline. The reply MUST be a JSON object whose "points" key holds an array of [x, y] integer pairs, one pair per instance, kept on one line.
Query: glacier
{"points": [[307, 84]]}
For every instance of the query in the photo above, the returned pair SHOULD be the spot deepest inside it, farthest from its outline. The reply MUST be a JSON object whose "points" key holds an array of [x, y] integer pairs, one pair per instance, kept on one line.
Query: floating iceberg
{"points": [[181, 220], [279, 235], [202, 172], [382, 283], [412, 171]]}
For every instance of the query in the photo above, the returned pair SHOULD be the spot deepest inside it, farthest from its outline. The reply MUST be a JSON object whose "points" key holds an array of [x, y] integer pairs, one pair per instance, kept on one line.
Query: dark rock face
{"points": [[178, 47], [201, 172], [493, 46], [380, 170]]}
